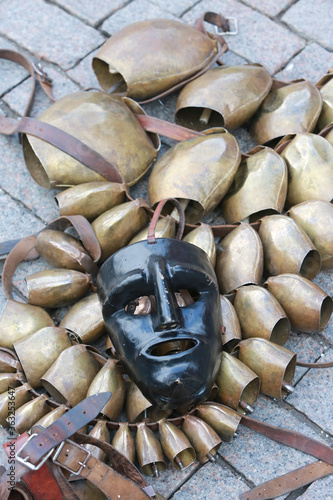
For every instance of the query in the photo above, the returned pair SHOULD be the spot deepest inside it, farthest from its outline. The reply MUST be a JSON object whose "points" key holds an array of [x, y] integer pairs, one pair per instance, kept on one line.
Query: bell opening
{"points": [[54, 392], [325, 312], [280, 332], [311, 265], [193, 212], [199, 118], [148, 469], [108, 77], [172, 347], [250, 393], [289, 374], [186, 457], [262, 213], [34, 165]]}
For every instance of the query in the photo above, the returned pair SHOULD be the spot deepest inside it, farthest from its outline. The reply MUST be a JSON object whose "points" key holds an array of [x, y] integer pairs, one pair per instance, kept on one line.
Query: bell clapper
{"points": [[246, 406], [184, 202], [287, 387], [205, 116], [210, 457], [179, 463], [155, 470]]}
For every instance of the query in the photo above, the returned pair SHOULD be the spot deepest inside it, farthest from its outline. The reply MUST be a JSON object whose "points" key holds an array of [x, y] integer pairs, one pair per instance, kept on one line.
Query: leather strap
{"points": [[327, 364], [151, 230], [167, 129]]}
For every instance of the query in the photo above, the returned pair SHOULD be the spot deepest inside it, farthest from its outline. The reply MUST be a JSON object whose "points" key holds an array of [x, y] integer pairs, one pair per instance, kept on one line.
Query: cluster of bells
{"points": [[295, 173]]}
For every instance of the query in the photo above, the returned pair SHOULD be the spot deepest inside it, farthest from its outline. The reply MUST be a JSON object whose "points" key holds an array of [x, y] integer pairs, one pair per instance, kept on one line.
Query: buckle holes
{"points": [[40, 444], [84, 412]]}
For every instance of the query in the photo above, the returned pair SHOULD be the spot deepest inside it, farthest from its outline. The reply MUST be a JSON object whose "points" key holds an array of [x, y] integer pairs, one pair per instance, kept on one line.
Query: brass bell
{"points": [[40, 350], [307, 306], [9, 380], [309, 159], [315, 217], [52, 416], [231, 334], [28, 414], [125, 60], [325, 85], [239, 259], [275, 365], [123, 441], [213, 392], [84, 320], [110, 128], [287, 248], [329, 134], [109, 378], [10, 401], [198, 171], [19, 320], [90, 199], [203, 438], [70, 376], [116, 227], [109, 348], [259, 187], [101, 432], [212, 99], [136, 403], [149, 451], [57, 287], [260, 314], [222, 419], [203, 237], [292, 108], [175, 445], [165, 228], [8, 361], [238, 384]]}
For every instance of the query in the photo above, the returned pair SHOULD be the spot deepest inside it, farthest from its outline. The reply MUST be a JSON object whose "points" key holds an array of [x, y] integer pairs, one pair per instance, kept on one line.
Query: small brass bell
{"points": [[325, 85], [175, 445], [10, 401], [231, 334], [136, 403], [203, 438], [238, 384], [165, 228], [9, 380], [203, 237], [222, 419], [99, 431], [149, 451], [275, 365], [28, 414], [8, 361], [123, 441], [52, 416]]}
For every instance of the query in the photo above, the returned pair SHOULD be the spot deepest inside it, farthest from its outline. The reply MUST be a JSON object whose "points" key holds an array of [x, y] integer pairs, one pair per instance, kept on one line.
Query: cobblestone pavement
{"points": [[293, 39]]}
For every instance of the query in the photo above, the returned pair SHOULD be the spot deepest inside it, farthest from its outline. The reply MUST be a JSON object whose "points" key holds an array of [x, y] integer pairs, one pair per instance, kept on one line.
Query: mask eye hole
{"points": [[140, 306], [186, 297]]}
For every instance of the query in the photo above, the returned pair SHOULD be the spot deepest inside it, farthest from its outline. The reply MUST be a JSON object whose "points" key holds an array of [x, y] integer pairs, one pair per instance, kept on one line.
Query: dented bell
{"points": [[198, 170], [309, 159], [231, 333], [287, 248], [126, 59], [292, 108], [203, 438], [275, 365], [175, 445], [110, 379], [223, 97], [10, 401], [52, 416], [315, 217], [84, 320], [261, 315], [28, 414], [203, 237], [116, 227], [57, 287], [40, 350], [325, 85], [239, 259], [101, 432], [259, 187], [20, 320], [110, 128], [123, 441], [70, 376], [165, 228], [149, 451], [90, 199], [238, 384], [307, 306], [222, 419]]}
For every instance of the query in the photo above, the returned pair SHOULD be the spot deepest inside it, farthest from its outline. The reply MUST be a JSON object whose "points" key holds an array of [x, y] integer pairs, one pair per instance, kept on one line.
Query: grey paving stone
{"points": [[230, 58], [171, 479], [307, 349], [312, 20], [11, 73], [314, 391], [259, 39], [212, 482], [322, 489], [140, 10], [91, 12], [312, 63], [83, 73], [47, 31], [269, 7], [177, 8]]}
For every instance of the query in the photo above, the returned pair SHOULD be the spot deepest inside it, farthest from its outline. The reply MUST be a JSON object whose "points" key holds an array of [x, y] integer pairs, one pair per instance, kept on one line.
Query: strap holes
{"points": [[84, 412], [69, 423], [40, 444]]}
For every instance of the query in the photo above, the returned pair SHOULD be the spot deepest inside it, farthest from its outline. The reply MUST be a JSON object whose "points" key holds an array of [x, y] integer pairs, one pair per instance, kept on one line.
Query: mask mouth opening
{"points": [[172, 347]]}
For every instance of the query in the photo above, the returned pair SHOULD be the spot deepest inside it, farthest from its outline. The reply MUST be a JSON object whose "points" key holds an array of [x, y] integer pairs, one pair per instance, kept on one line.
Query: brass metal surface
{"points": [[8, 361], [27, 415], [175, 445], [148, 450], [52, 416], [101, 432], [203, 438], [325, 85], [239, 259], [123, 441], [222, 419], [203, 237], [136, 403], [232, 334], [9, 380], [165, 228], [10, 401], [234, 93], [287, 248]]}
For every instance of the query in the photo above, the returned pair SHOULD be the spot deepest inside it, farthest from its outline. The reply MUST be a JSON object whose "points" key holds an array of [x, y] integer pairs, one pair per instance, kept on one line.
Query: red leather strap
{"points": [[151, 230]]}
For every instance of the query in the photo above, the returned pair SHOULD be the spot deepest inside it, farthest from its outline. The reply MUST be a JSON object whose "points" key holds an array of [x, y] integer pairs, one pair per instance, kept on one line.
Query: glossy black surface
{"points": [[168, 380]]}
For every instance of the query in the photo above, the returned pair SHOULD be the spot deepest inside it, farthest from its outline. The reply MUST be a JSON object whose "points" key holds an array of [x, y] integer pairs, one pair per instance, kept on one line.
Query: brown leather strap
{"points": [[8, 360], [151, 230], [327, 364], [288, 482], [167, 129], [291, 438]]}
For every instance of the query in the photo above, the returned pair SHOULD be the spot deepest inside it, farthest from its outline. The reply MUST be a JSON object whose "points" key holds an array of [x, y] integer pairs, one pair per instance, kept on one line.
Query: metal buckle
{"points": [[42, 73], [220, 31], [82, 464], [25, 462]]}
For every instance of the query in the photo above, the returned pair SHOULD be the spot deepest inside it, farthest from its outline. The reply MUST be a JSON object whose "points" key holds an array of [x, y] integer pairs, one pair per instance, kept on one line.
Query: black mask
{"points": [[171, 348]]}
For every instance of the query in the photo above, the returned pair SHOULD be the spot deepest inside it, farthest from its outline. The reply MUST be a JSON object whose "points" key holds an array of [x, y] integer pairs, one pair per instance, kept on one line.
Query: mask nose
{"points": [[166, 310]]}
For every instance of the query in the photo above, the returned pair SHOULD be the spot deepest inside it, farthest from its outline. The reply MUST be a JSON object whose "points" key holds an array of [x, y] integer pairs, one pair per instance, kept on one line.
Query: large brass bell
{"points": [[307, 306], [28, 414], [175, 445], [231, 334], [223, 97], [325, 85], [204, 439], [275, 365], [259, 187], [99, 431], [123, 441], [203, 237], [222, 419], [198, 171], [149, 451]]}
